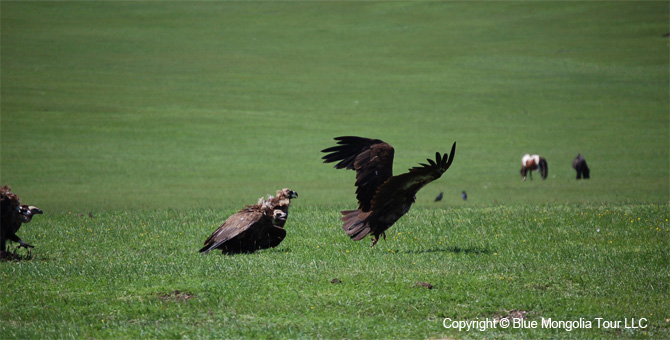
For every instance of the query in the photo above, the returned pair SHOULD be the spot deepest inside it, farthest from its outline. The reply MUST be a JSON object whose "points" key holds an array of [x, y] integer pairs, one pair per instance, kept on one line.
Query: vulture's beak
{"points": [[293, 194], [34, 210]]}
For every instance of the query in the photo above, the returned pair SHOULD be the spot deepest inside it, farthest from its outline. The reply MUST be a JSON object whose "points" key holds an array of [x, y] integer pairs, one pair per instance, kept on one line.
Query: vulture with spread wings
{"points": [[382, 197], [258, 226]]}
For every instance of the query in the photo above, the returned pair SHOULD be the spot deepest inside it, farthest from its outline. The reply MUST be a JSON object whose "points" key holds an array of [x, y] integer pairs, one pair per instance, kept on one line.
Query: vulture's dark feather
{"points": [[372, 159], [354, 224], [382, 197]]}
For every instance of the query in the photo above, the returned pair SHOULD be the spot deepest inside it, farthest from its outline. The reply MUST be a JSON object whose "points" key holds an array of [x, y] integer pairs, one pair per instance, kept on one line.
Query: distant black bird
{"points": [[579, 164], [464, 196], [382, 197], [439, 197]]}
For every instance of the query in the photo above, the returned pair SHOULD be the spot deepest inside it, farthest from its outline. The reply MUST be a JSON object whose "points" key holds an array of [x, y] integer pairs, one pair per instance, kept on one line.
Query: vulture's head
{"points": [[279, 217], [25, 212], [277, 206], [287, 193], [13, 212]]}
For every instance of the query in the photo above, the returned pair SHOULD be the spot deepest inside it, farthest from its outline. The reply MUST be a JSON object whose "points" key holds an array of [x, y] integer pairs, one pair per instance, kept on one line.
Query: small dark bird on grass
{"points": [[13, 215], [439, 197], [258, 226], [464, 196], [382, 197], [425, 285]]}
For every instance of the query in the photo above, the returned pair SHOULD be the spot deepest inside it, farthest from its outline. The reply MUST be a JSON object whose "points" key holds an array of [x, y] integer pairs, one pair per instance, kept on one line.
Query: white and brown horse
{"points": [[530, 163]]}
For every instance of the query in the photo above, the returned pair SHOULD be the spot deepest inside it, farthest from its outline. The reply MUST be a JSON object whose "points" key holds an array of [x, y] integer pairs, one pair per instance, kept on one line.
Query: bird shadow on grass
{"points": [[450, 249], [275, 250], [259, 251]]}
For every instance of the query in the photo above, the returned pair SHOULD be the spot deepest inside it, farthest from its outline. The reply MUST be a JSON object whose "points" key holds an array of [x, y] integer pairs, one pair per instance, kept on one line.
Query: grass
{"points": [[130, 275], [131, 104], [138, 127]]}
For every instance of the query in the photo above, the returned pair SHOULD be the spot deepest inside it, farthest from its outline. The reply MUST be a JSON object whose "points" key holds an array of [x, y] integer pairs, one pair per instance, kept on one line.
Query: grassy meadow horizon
{"points": [[139, 126], [213, 104]]}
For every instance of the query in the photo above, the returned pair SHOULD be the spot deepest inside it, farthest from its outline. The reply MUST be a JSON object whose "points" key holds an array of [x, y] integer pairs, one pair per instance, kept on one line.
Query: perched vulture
{"points": [[382, 197], [579, 163], [13, 214], [257, 226]]}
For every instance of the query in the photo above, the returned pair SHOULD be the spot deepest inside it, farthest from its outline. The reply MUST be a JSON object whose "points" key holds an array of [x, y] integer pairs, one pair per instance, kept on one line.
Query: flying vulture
{"points": [[382, 197], [579, 163], [255, 227], [13, 214]]}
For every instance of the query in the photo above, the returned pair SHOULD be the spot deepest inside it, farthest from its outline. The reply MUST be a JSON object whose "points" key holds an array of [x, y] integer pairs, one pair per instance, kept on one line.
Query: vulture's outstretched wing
{"points": [[411, 182], [371, 158], [232, 227]]}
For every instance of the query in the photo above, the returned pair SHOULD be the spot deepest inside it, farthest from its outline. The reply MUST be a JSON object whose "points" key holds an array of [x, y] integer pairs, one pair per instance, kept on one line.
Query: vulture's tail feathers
{"points": [[354, 224]]}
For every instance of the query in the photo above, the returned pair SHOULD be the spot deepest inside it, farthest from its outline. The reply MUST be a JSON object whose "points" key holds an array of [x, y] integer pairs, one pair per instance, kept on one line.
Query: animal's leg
{"points": [[20, 242], [384, 234], [26, 245], [375, 238]]}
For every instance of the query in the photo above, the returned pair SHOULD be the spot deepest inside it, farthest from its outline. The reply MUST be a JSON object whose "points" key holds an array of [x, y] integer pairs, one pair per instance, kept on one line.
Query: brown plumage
{"points": [[382, 197], [13, 215], [257, 226]]}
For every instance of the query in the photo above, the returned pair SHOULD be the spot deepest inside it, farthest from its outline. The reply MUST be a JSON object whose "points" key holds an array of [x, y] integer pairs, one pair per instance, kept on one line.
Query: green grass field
{"points": [[138, 127]]}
